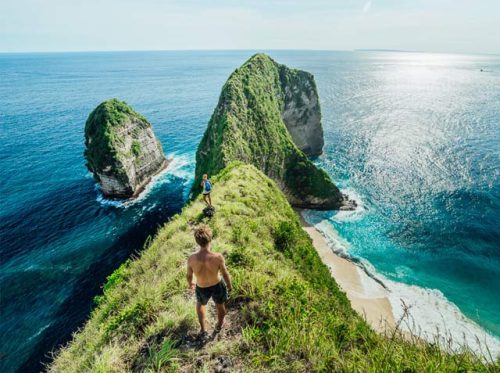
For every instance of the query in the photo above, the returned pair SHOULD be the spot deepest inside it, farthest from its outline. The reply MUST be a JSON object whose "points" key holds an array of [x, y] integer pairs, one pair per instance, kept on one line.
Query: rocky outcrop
{"points": [[122, 151], [301, 112], [268, 115]]}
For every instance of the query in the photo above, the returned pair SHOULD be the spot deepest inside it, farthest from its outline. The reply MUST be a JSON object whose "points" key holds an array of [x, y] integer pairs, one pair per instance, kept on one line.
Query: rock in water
{"points": [[122, 151], [268, 115]]}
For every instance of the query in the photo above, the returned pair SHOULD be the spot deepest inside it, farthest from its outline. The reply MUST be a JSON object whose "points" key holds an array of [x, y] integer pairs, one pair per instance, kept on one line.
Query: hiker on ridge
{"points": [[207, 266], [207, 188]]}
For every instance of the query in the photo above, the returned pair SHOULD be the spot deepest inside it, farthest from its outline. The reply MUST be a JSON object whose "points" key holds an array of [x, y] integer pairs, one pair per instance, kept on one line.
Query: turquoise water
{"points": [[417, 138], [414, 136]]}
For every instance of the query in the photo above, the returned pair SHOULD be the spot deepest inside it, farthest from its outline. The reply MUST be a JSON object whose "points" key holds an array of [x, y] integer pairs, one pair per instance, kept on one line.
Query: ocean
{"points": [[414, 137]]}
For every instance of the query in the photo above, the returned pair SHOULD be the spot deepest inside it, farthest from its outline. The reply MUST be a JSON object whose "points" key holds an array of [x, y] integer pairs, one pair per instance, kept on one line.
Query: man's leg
{"points": [[221, 313], [205, 198], [200, 310], [209, 200]]}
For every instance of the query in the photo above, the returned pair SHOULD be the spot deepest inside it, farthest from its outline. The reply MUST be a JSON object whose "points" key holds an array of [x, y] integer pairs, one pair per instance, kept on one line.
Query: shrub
{"points": [[136, 148], [285, 235], [241, 257]]}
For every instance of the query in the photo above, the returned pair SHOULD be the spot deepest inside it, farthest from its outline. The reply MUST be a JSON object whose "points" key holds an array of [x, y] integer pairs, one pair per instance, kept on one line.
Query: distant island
{"points": [[286, 311]]}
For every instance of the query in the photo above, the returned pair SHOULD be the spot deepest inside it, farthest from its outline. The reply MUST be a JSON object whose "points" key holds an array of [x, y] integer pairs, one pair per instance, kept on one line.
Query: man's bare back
{"points": [[206, 266]]}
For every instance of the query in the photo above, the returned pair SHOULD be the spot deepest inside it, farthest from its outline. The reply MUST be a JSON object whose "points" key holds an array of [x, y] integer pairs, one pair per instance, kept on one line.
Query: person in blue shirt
{"points": [[207, 188]]}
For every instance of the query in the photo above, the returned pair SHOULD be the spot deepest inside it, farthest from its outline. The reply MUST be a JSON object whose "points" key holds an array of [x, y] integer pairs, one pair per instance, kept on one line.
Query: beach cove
{"points": [[414, 313]]}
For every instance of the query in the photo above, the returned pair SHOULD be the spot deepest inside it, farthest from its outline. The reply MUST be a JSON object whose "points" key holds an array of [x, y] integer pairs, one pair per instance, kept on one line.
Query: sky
{"points": [[454, 26]]}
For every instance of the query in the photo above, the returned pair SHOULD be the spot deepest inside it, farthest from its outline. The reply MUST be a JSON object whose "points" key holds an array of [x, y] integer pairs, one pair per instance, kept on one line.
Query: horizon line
{"points": [[242, 49]]}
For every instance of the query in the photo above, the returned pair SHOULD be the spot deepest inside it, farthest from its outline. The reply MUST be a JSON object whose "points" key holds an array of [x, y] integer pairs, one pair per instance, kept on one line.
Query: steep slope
{"points": [[249, 124], [122, 151], [286, 312]]}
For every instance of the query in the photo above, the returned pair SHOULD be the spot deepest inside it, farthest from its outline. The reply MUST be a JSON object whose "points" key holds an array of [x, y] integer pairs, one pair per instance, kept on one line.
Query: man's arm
{"points": [[189, 276], [225, 273]]}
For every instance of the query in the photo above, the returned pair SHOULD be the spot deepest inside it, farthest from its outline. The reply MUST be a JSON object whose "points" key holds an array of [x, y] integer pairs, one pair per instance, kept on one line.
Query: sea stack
{"points": [[268, 115], [122, 151]]}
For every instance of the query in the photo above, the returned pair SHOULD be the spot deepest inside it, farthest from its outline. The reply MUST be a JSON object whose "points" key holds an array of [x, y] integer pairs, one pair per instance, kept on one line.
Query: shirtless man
{"points": [[207, 267]]}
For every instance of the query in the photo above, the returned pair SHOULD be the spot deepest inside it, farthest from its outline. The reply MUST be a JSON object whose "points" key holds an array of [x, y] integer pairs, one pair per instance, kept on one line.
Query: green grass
{"points": [[292, 313], [247, 125]]}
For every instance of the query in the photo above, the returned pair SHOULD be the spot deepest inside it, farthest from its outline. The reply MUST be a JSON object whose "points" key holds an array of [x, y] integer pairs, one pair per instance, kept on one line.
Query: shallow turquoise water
{"points": [[416, 137]]}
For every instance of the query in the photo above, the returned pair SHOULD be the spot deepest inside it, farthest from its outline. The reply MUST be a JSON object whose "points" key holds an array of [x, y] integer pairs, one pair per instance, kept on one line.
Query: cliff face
{"points": [[122, 151], [301, 112], [268, 115]]}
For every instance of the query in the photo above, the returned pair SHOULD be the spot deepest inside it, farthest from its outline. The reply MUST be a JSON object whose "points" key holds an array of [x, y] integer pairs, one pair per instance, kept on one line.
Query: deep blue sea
{"points": [[414, 137]]}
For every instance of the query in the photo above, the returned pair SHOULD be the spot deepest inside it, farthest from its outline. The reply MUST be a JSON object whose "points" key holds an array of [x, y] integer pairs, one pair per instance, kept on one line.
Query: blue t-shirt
{"points": [[207, 186]]}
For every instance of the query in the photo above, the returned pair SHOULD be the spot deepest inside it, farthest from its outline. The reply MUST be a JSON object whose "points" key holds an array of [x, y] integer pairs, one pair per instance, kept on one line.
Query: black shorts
{"points": [[218, 292]]}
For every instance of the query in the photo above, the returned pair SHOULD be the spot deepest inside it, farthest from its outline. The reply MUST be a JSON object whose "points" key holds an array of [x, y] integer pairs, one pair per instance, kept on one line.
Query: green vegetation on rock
{"points": [[136, 148], [286, 312], [247, 125]]}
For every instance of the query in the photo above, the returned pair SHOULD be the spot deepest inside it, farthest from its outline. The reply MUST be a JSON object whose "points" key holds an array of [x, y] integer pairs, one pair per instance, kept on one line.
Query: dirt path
{"points": [[213, 353]]}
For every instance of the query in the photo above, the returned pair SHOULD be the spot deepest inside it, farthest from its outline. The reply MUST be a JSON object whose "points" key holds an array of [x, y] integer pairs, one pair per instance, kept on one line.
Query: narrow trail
{"points": [[213, 353]]}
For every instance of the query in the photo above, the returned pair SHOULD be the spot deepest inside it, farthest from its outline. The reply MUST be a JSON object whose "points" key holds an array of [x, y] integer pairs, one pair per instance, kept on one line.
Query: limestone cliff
{"points": [[301, 111], [268, 115], [122, 151]]}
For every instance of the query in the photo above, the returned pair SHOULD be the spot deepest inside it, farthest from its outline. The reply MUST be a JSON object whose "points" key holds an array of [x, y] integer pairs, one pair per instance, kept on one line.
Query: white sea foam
{"points": [[181, 167], [335, 241], [429, 314], [436, 319], [354, 214], [373, 287], [104, 201], [39, 331]]}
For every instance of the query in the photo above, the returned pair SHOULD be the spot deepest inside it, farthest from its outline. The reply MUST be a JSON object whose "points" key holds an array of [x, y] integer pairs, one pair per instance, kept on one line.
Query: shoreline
{"points": [[140, 192], [141, 187], [386, 304], [368, 297]]}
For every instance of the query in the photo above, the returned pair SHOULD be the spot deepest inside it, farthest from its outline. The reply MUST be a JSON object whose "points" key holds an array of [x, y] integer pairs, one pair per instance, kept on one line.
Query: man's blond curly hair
{"points": [[203, 235]]}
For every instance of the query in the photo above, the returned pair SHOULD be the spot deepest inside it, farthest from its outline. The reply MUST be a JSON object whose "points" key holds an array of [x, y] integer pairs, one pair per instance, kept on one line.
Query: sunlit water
{"points": [[414, 137]]}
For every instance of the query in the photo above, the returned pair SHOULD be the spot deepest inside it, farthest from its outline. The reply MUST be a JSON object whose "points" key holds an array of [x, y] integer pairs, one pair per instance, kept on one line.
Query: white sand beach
{"points": [[432, 317], [367, 297]]}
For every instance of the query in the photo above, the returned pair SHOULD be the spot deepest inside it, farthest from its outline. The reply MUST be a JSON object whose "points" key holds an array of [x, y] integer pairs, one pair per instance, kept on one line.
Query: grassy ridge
{"points": [[247, 126], [288, 313]]}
